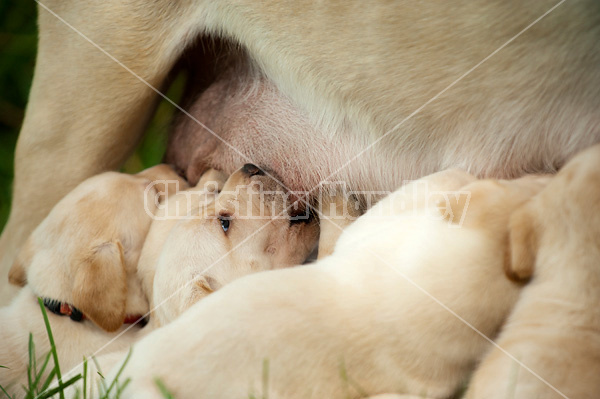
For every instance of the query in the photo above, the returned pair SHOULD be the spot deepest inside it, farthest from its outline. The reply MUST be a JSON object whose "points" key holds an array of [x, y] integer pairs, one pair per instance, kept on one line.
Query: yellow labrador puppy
{"points": [[385, 312], [185, 203], [251, 226], [554, 330], [200, 256], [82, 260]]}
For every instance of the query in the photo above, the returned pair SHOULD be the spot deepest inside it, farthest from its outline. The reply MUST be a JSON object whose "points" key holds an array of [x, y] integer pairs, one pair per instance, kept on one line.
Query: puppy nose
{"points": [[252, 170]]}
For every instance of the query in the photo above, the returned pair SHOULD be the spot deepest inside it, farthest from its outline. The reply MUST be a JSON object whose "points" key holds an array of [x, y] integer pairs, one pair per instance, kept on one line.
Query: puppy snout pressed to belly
{"points": [[252, 170]]}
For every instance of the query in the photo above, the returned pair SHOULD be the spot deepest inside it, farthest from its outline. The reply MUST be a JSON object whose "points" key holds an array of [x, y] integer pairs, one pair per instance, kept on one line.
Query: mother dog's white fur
{"points": [[360, 317], [554, 330], [358, 69]]}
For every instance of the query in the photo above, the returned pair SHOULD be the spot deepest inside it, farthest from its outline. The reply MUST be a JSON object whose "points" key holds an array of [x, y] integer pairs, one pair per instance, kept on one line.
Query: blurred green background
{"points": [[18, 39]]}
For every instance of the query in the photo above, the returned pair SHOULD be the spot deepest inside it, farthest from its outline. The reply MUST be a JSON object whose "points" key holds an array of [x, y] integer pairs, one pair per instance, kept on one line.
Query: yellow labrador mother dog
{"points": [[385, 312], [554, 330], [339, 89]]}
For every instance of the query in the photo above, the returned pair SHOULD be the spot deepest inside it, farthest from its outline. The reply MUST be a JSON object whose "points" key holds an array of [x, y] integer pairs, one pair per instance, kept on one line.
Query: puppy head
{"points": [[489, 204], [495, 208], [177, 206], [85, 252], [523, 243], [252, 226], [561, 223]]}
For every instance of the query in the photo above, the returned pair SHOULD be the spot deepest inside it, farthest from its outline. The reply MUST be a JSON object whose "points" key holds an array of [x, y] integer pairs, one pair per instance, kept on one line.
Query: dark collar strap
{"points": [[63, 309]]}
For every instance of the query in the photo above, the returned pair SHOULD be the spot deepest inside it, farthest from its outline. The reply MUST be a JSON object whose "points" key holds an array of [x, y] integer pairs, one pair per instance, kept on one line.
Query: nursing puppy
{"points": [[82, 261], [183, 204], [252, 226], [352, 313], [554, 330]]}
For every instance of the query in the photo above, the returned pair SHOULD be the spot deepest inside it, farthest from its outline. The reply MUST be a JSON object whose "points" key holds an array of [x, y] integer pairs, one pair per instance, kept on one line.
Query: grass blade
{"points": [[122, 387], [85, 378], [52, 346], [163, 389], [4, 391], [102, 381], [113, 382], [1, 387], [60, 389], [30, 366], [48, 380], [40, 373]]}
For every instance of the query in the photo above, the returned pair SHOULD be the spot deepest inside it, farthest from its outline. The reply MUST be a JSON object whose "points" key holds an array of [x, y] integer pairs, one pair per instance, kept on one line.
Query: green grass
{"points": [[39, 380]]}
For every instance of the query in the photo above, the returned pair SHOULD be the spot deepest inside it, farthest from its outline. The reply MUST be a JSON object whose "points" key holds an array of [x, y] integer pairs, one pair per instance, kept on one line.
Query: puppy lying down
{"points": [[554, 330], [251, 226], [372, 310], [184, 204], [82, 261], [86, 259]]}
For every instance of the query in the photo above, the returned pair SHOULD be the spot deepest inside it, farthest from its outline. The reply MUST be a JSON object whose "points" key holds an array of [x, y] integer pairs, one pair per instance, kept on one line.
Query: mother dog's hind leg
{"points": [[86, 112]]}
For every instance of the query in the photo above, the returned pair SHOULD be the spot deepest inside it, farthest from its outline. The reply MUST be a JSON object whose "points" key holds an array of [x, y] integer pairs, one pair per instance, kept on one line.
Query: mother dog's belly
{"points": [[248, 120], [244, 118]]}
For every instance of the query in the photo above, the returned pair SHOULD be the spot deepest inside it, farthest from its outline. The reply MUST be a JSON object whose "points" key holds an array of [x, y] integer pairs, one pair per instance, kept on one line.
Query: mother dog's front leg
{"points": [[86, 111]]}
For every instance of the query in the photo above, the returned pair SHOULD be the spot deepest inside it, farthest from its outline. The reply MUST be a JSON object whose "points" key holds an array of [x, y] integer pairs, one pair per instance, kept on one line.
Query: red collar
{"points": [[64, 309]]}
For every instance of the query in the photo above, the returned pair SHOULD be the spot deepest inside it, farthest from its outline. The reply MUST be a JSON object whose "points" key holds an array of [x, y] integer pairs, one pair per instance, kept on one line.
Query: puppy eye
{"points": [[225, 222]]}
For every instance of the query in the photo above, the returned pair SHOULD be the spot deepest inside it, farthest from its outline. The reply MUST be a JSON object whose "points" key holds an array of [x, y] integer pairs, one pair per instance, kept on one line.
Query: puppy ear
{"points": [[164, 178], [100, 285], [522, 242], [17, 274], [207, 284]]}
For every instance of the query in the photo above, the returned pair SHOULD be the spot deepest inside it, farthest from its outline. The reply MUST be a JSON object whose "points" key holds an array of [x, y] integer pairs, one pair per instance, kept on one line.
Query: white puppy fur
{"points": [[369, 311], [554, 330], [186, 202], [199, 258], [190, 256], [356, 71], [71, 242]]}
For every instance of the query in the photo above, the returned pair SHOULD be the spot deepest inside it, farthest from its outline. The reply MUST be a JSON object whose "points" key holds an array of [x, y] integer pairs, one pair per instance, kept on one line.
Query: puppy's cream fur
{"points": [[356, 71], [185, 259], [84, 253], [198, 258], [184, 203], [554, 329], [353, 313]]}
